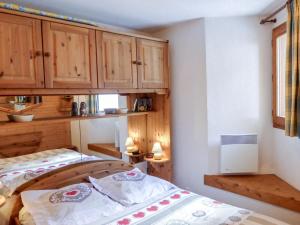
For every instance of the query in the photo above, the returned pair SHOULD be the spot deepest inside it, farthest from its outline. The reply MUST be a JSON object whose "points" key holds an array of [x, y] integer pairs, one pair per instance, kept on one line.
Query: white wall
{"points": [[238, 62], [221, 83], [286, 149], [188, 96]]}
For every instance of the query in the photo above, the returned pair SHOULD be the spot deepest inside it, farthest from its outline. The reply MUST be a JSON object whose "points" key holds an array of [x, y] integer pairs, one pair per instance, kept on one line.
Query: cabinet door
{"points": [[21, 62], [117, 58], [69, 56], [153, 64]]}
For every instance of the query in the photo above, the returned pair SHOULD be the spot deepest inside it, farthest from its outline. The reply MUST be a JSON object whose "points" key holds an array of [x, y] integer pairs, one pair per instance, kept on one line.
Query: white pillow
{"points": [[131, 187], [76, 204]]}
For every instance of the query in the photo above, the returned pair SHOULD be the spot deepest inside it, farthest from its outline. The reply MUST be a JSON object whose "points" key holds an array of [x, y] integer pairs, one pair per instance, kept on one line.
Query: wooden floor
{"points": [[267, 188]]}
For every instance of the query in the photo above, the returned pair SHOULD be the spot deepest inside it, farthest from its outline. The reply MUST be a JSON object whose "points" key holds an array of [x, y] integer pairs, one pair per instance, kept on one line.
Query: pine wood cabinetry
{"points": [[21, 62], [153, 64], [116, 60], [69, 56], [127, 62], [38, 52]]}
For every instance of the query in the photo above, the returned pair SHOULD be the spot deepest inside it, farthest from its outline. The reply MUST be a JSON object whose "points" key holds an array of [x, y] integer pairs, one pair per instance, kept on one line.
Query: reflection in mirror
{"points": [[19, 104], [104, 137]]}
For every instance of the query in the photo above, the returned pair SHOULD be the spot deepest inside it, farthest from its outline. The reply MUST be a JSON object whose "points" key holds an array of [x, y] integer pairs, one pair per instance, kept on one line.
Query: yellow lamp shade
{"points": [[157, 150]]}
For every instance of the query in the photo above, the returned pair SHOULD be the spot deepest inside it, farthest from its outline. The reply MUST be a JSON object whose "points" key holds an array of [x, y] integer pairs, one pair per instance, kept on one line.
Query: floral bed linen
{"points": [[16, 171], [181, 207]]}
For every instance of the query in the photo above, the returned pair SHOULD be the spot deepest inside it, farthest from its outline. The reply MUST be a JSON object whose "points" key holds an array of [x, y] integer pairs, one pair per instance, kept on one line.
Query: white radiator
{"points": [[239, 154]]}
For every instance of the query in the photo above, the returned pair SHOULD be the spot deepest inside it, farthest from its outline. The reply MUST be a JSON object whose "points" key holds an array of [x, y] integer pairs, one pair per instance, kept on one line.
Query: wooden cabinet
{"points": [[117, 66], [153, 64], [69, 56], [21, 62]]}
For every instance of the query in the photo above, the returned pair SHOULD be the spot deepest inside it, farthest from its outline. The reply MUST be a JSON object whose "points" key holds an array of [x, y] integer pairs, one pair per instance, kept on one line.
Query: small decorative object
{"points": [[142, 105], [21, 118], [149, 155], [130, 146], [74, 109], [110, 110], [122, 110], [83, 109], [157, 150]]}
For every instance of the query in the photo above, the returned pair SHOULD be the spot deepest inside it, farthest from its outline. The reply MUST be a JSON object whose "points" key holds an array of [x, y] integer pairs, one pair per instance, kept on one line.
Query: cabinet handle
{"points": [[1, 74], [47, 54], [79, 75], [139, 63], [134, 62]]}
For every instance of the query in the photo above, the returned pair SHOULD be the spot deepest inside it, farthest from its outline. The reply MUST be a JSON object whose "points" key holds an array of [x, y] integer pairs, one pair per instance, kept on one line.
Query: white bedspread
{"points": [[179, 207], [16, 171]]}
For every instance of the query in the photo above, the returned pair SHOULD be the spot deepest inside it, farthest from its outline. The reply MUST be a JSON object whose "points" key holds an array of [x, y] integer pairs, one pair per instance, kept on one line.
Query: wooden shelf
{"points": [[163, 160], [267, 188], [106, 149], [89, 117]]}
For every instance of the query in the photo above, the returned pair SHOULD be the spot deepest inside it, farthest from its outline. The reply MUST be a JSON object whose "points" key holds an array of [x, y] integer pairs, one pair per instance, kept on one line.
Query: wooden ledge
{"points": [[266, 187], [106, 149]]}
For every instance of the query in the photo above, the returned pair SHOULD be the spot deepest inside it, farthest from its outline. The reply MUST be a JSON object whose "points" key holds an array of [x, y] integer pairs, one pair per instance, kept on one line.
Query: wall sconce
{"points": [[130, 146], [157, 151]]}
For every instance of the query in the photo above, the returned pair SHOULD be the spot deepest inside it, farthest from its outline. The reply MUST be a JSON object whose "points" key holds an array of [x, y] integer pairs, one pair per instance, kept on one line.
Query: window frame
{"points": [[278, 122]]}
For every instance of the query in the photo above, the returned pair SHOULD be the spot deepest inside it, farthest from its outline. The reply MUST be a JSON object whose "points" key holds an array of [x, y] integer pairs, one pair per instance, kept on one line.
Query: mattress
{"points": [[179, 207]]}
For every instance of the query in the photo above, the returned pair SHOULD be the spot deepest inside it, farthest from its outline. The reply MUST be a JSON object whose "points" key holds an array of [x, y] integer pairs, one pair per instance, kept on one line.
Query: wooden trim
{"points": [[75, 91], [265, 187], [71, 174], [106, 149], [278, 122], [99, 52], [50, 19]]}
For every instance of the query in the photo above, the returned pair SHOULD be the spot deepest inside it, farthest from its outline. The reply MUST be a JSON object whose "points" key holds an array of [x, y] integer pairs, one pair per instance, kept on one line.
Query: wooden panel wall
{"points": [[54, 134], [151, 128]]}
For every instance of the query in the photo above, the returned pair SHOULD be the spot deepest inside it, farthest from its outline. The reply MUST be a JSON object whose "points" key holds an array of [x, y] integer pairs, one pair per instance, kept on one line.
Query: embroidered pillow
{"points": [[76, 204], [131, 187]]}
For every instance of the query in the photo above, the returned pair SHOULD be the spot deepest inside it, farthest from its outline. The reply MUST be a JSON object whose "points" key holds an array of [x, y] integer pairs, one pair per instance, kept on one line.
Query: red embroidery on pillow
{"points": [[152, 208], [124, 222], [176, 196], [139, 215], [164, 202], [74, 194], [185, 192]]}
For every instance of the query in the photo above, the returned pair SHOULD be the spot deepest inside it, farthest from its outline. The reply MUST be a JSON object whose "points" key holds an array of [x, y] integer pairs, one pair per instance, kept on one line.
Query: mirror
{"points": [[19, 104], [104, 137]]}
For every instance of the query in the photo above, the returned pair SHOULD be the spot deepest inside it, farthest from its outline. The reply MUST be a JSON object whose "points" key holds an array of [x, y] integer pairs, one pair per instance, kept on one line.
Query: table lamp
{"points": [[157, 151], [130, 146]]}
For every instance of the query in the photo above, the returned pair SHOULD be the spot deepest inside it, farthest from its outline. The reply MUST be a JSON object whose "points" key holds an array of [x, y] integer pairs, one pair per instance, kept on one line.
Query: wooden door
{"points": [[117, 60], [69, 56], [21, 62], [152, 64]]}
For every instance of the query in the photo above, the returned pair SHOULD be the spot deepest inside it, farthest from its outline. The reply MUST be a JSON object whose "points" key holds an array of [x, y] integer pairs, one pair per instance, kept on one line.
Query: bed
{"points": [[172, 207], [22, 160]]}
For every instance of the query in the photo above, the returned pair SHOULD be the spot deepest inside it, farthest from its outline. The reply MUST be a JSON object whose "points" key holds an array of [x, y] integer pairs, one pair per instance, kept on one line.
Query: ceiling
{"points": [[151, 14]]}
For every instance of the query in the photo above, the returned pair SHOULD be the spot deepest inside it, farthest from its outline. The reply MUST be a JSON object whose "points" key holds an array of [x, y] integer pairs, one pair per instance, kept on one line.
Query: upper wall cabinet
{"points": [[69, 56], [153, 69], [21, 62], [117, 66]]}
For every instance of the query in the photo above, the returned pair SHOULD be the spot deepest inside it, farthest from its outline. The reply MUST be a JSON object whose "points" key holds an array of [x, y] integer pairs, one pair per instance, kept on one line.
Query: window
{"points": [[279, 60], [108, 101]]}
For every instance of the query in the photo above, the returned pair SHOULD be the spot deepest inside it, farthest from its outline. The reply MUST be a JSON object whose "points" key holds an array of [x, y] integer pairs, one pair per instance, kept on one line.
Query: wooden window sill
{"points": [[266, 187], [106, 149]]}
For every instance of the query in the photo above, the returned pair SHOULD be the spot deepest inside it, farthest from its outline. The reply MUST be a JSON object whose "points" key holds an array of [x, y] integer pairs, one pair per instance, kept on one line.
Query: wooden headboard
{"points": [[71, 174], [25, 138]]}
